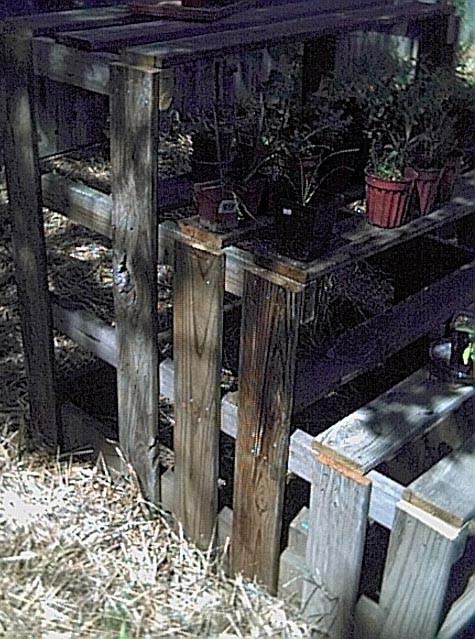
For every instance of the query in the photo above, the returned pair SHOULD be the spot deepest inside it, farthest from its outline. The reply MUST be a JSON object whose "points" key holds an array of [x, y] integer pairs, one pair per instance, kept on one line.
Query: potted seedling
{"points": [[308, 157]]}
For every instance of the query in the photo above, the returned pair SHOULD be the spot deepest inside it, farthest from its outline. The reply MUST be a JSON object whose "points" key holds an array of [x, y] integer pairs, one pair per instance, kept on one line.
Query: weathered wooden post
{"points": [[29, 252], [134, 151]]}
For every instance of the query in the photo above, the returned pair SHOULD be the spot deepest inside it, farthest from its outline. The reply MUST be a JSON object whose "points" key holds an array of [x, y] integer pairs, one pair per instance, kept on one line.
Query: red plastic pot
{"points": [[448, 178], [426, 182], [253, 195], [216, 207], [387, 201]]}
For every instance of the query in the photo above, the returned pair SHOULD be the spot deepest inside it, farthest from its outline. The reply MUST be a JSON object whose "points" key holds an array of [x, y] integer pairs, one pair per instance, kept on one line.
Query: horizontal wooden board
{"points": [[52, 22], [363, 240], [307, 26], [376, 432], [114, 38], [364, 347], [63, 64], [447, 490]]}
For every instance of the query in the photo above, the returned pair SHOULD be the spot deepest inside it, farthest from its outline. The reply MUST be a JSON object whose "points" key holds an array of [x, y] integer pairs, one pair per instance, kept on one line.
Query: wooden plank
{"points": [[197, 347], [80, 203], [93, 208], [377, 431], [29, 254], [134, 153], [421, 553], [339, 505], [460, 615], [447, 489], [307, 26], [115, 38], [269, 333], [52, 22], [364, 347], [89, 71]]}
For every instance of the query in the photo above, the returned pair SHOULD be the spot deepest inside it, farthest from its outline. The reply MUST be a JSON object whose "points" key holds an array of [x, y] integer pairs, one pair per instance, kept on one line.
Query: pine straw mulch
{"points": [[82, 556]]}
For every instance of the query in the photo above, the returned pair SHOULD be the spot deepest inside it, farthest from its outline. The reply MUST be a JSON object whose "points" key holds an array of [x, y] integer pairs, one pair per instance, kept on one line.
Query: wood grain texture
{"points": [[29, 254], [197, 347], [134, 153], [288, 28], [339, 505], [271, 317], [416, 574], [447, 490], [89, 71], [364, 347], [377, 431]]}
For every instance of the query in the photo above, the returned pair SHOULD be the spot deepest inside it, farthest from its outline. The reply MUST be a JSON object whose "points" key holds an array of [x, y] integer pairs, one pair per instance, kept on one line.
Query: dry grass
{"points": [[81, 556]]}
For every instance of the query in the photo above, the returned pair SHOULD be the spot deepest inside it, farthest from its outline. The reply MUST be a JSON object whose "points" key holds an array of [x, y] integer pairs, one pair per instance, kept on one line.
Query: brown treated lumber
{"points": [[271, 317], [308, 26], [134, 152], [197, 347], [362, 348], [29, 254]]}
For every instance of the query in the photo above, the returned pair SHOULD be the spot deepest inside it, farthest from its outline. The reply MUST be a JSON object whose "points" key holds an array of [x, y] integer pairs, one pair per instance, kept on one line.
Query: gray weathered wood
{"points": [[421, 552], [460, 615], [80, 203], [377, 431], [24, 189], [197, 345], [134, 153], [89, 71], [271, 317], [339, 505], [367, 345], [307, 26], [447, 490]]}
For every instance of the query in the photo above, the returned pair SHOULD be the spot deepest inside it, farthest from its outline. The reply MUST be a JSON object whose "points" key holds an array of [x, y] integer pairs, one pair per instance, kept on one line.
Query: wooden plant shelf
{"points": [[176, 10]]}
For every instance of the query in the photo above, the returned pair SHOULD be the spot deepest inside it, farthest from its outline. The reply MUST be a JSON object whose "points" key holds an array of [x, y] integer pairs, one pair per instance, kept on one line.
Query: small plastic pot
{"points": [[387, 201], [217, 207], [304, 232], [448, 178], [426, 182]]}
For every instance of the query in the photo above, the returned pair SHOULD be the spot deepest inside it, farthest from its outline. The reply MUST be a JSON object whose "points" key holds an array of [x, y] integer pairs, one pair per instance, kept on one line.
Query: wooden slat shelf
{"points": [[362, 242], [137, 62], [307, 26]]}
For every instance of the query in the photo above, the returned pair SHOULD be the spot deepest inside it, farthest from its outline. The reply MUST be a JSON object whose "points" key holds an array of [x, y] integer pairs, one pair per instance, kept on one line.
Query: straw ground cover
{"points": [[80, 555]]}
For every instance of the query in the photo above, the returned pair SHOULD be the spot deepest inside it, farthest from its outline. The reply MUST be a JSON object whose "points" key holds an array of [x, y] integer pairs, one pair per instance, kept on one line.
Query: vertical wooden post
{"points": [[269, 333], [197, 346], [134, 153], [438, 40], [339, 506], [29, 252], [422, 550], [318, 60]]}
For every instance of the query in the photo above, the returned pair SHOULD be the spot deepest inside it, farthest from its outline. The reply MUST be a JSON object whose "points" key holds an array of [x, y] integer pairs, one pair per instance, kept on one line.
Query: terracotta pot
{"points": [[254, 195], [216, 207], [304, 232], [426, 182], [387, 201], [448, 178], [204, 160]]}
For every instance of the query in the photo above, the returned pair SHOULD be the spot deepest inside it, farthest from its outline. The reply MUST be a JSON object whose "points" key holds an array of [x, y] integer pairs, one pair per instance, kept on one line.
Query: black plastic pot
{"points": [[304, 232]]}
